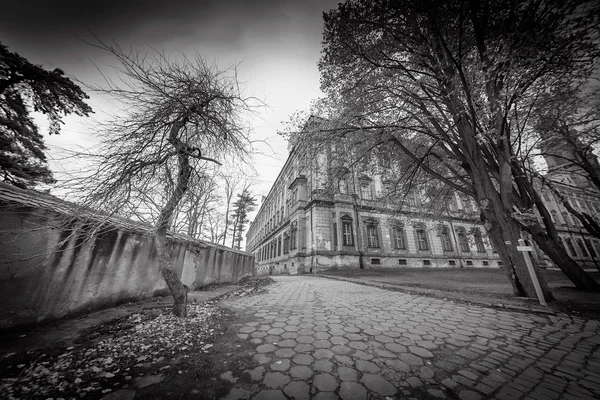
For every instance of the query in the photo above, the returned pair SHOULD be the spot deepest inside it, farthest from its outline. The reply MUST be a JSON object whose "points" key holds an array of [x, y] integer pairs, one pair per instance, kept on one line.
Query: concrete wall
{"points": [[50, 267]]}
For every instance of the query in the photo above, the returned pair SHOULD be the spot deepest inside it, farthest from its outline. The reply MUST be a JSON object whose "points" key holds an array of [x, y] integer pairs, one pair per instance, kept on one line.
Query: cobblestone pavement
{"points": [[324, 339]]}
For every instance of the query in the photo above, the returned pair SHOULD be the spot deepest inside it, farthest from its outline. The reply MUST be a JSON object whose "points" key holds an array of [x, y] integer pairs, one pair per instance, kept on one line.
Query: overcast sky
{"points": [[277, 42]]}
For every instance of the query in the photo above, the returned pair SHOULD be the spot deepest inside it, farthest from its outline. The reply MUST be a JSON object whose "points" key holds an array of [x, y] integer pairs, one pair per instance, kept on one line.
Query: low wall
{"points": [[51, 267]]}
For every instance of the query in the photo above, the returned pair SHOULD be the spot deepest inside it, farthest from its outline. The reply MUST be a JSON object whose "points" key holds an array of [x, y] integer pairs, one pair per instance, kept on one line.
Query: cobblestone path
{"points": [[325, 339]]}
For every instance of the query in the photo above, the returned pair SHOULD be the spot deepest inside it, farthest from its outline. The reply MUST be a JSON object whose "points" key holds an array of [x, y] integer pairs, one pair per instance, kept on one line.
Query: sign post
{"points": [[536, 284]]}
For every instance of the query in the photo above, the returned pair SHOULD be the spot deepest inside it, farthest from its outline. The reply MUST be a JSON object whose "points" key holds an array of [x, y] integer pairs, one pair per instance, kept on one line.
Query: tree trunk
{"points": [[177, 288], [571, 269], [505, 229]]}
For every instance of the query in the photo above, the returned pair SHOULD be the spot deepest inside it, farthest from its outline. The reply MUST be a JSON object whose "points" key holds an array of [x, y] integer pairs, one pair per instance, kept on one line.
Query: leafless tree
{"points": [[176, 116]]}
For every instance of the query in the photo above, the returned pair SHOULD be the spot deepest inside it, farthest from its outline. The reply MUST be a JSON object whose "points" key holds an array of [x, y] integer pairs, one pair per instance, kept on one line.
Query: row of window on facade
{"points": [[398, 236], [581, 204], [283, 243], [586, 248]]}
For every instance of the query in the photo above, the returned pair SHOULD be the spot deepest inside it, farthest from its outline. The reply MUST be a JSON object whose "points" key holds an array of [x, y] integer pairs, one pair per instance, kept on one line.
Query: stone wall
{"points": [[50, 267]]}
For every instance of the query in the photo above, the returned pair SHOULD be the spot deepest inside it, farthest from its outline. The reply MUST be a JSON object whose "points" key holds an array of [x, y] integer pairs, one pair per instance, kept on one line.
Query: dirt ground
{"points": [[148, 354]]}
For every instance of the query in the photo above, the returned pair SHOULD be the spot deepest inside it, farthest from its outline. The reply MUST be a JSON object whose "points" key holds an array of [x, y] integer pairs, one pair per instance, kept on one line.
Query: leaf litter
{"points": [[115, 353]]}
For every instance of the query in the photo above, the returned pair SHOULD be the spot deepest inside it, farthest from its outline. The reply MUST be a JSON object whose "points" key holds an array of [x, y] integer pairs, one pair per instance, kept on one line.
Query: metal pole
{"points": [[536, 284]]}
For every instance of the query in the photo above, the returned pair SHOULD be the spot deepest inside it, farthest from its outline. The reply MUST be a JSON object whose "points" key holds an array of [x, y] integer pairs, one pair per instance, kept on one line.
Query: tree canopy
{"points": [[25, 87], [453, 84]]}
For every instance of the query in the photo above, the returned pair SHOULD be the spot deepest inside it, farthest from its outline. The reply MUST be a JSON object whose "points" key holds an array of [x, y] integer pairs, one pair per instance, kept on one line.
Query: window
{"points": [[485, 263], [376, 261], [566, 217], [293, 236], [427, 262], [451, 262], [422, 243], [499, 263], [582, 248], [279, 246], [478, 240], [286, 243], [372, 239], [469, 263], [343, 186], [347, 234], [365, 191], [401, 261], [445, 238], [590, 247], [570, 247], [463, 241], [398, 237]]}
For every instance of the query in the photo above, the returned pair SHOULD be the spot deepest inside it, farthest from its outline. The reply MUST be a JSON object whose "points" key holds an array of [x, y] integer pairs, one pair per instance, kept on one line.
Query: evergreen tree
{"points": [[244, 205], [25, 87]]}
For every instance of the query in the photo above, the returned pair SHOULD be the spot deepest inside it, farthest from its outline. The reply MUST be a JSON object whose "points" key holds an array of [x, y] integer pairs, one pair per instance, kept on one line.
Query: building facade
{"points": [[320, 216]]}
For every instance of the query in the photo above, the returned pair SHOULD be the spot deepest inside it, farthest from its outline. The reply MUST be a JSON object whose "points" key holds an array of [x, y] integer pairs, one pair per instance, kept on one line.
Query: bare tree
{"points": [[177, 114]]}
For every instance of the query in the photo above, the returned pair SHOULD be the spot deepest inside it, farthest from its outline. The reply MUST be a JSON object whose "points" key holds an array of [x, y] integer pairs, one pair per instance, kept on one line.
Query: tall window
{"points": [[293, 235], [566, 217], [398, 237], [343, 185], [347, 235], [478, 240], [463, 241], [590, 247], [279, 246], [445, 238], [582, 248], [365, 190], [286, 243], [422, 243], [570, 247], [372, 239]]}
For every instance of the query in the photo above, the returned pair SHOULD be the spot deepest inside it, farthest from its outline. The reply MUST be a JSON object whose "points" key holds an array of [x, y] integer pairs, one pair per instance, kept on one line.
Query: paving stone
{"points": [[347, 374], [344, 360], [287, 343], [323, 365], [322, 344], [362, 355], [269, 395], [338, 340], [261, 358], [300, 372], [379, 385], [325, 382], [275, 331], [147, 380], [275, 380], [297, 390], [265, 348], [436, 393], [256, 374], [367, 366], [325, 396], [247, 329], [256, 341], [396, 348], [414, 382], [340, 349], [304, 348], [323, 353], [284, 353], [421, 352], [398, 365], [302, 359], [228, 376], [281, 365], [358, 345], [273, 339], [426, 372], [352, 391], [353, 336]]}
